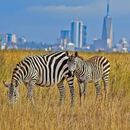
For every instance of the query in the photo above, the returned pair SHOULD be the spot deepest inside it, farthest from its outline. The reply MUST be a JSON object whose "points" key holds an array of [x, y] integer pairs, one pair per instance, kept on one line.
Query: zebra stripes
{"points": [[43, 70], [91, 70]]}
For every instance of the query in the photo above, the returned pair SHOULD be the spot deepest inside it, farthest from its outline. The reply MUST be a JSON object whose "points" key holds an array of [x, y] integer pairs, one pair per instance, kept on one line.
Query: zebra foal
{"points": [[41, 70], [91, 70]]}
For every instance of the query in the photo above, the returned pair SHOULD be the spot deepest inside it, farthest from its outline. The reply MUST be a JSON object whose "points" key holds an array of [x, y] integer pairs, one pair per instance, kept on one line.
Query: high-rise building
{"points": [[107, 33], [84, 36], [65, 34], [78, 33], [11, 40], [3, 41], [64, 37]]}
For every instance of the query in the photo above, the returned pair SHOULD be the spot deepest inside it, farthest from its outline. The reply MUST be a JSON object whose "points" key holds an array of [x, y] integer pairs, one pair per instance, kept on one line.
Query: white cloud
{"points": [[64, 9], [96, 8], [57, 8]]}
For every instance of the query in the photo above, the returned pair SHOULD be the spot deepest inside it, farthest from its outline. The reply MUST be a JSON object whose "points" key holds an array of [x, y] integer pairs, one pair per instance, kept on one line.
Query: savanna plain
{"points": [[110, 114]]}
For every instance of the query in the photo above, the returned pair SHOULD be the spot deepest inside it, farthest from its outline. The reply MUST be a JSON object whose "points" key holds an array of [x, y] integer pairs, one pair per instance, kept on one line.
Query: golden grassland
{"points": [[111, 114]]}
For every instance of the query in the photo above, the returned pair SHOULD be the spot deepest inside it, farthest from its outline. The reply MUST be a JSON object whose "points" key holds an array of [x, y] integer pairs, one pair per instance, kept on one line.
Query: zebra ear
{"points": [[6, 85], [67, 53], [76, 54]]}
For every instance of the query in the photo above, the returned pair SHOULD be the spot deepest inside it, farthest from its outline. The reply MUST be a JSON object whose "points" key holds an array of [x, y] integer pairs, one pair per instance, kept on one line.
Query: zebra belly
{"points": [[46, 83]]}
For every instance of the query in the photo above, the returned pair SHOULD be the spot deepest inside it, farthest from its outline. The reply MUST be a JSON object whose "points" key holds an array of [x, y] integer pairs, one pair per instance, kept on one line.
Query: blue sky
{"points": [[42, 20]]}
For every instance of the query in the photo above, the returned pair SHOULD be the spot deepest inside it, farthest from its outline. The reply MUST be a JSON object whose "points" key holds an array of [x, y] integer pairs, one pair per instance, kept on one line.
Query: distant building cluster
{"points": [[74, 38], [12, 41], [8, 40], [77, 36], [122, 46]]}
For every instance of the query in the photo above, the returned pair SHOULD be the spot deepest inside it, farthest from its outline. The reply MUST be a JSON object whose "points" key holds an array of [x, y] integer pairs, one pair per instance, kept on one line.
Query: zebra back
{"points": [[101, 62], [49, 69]]}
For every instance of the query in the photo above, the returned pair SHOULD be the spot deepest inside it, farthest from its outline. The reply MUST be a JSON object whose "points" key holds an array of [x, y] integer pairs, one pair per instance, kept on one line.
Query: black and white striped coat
{"points": [[94, 69], [42, 70]]}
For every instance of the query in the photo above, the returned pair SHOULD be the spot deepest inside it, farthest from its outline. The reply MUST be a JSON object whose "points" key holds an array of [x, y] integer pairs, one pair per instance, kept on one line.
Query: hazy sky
{"points": [[42, 20]]}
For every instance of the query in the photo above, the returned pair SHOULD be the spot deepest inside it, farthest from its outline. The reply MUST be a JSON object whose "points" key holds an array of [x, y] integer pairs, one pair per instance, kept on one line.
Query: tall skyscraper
{"points": [[78, 33], [84, 36], [107, 33], [64, 37], [65, 34]]}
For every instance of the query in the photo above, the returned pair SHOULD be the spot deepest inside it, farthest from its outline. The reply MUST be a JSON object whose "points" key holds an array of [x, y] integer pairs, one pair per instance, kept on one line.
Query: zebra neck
{"points": [[15, 82], [80, 70]]}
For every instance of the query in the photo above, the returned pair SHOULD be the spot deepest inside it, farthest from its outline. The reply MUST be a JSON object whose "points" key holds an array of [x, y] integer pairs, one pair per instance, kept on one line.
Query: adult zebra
{"points": [[91, 70], [42, 70]]}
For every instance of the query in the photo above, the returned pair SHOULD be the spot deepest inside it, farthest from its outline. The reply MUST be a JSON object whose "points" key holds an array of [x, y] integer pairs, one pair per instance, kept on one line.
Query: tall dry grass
{"points": [[111, 114]]}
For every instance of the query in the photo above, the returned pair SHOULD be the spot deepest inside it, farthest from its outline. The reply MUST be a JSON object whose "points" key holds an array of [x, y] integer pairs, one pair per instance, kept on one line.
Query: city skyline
{"points": [[43, 20]]}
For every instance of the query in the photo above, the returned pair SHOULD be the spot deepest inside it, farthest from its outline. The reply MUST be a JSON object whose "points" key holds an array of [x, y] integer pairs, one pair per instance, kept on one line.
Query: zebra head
{"points": [[12, 92], [72, 62]]}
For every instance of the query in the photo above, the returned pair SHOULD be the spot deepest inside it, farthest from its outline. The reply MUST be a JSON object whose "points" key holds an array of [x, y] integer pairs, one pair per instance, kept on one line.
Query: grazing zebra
{"points": [[41, 70], [91, 70]]}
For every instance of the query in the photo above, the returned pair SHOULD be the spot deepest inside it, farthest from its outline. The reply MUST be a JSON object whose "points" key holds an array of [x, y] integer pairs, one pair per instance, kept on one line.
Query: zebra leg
{"points": [[97, 85], [85, 87], [105, 82], [30, 86], [62, 92], [81, 91], [71, 86], [80, 94]]}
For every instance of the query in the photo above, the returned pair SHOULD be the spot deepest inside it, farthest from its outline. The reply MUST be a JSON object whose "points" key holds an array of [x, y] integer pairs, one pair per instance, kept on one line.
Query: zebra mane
{"points": [[80, 57], [76, 55]]}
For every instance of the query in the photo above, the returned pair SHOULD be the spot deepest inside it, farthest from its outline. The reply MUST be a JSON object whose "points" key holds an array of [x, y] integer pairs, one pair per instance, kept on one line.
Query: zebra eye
{"points": [[69, 59]]}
